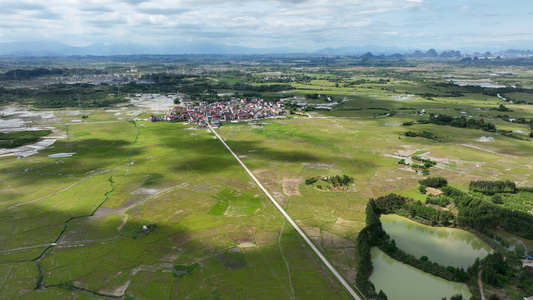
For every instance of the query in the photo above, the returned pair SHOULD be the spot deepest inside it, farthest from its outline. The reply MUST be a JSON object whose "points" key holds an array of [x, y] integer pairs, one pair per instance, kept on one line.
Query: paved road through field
{"points": [[345, 284]]}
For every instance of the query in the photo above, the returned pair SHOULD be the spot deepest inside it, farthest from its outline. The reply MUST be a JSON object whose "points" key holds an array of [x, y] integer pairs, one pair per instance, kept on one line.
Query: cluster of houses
{"points": [[235, 110], [97, 79]]}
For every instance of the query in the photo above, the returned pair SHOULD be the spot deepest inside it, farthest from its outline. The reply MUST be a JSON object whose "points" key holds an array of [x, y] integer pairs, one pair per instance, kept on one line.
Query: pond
{"points": [[515, 241], [400, 281], [446, 246]]}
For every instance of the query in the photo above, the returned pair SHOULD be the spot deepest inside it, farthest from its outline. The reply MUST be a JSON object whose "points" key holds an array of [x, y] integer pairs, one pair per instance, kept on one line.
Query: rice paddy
{"points": [[139, 201]]}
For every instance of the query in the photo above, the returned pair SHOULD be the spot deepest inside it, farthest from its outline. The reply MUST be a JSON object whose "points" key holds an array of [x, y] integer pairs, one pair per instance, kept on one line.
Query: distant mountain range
{"points": [[50, 48], [47, 48]]}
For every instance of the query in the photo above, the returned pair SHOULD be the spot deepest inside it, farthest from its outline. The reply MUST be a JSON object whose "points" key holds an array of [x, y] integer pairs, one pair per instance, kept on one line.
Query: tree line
{"points": [[424, 134], [461, 122], [434, 182], [63, 95], [20, 138], [492, 187], [498, 268], [482, 215], [22, 74], [374, 235]]}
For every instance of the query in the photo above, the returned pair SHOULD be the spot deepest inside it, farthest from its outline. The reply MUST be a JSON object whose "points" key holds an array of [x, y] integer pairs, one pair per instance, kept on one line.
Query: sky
{"points": [[297, 24]]}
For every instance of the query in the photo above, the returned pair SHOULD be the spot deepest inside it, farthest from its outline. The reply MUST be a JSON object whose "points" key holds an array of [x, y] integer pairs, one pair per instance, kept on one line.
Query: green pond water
{"points": [[446, 246], [515, 240], [400, 281]]}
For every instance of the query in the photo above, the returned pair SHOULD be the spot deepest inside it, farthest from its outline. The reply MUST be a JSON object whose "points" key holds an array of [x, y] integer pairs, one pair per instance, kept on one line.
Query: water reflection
{"points": [[401, 282], [515, 241], [446, 246]]}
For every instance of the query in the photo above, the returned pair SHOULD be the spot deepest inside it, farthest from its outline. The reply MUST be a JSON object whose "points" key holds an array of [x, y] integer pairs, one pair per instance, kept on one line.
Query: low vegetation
{"points": [[19, 138], [423, 134], [331, 183], [434, 182], [203, 213], [184, 270]]}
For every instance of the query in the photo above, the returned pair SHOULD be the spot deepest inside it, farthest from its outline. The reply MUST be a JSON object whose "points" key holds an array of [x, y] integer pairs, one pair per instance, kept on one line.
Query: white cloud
{"points": [[255, 23]]}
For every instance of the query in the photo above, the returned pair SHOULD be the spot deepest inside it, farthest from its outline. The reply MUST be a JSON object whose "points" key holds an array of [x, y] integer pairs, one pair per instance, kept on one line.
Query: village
{"points": [[235, 110]]}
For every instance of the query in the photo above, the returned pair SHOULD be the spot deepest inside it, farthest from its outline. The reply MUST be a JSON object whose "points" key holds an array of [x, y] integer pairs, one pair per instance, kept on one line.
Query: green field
{"points": [[163, 174], [139, 200]]}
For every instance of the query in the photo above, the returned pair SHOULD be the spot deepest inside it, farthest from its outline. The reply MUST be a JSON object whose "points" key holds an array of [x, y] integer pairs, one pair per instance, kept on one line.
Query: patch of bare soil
{"points": [[317, 240], [117, 291], [27, 150], [486, 139], [352, 189], [280, 198], [357, 206], [433, 191], [180, 239], [343, 263], [290, 186], [241, 237], [81, 284], [343, 227], [343, 222], [164, 265], [349, 270], [406, 153], [338, 188], [145, 191], [319, 166], [330, 240], [486, 150], [200, 188], [170, 256], [180, 272], [311, 231], [104, 212], [267, 176], [266, 236], [246, 245], [260, 171], [232, 259]]}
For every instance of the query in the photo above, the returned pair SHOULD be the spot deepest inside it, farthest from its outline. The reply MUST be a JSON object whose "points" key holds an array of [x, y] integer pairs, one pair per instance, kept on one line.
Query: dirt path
{"points": [[486, 150], [53, 194], [124, 215], [480, 283], [286, 262]]}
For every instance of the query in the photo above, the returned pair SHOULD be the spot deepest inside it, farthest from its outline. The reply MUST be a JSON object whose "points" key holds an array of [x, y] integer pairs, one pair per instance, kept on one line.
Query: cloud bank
{"points": [[302, 24]]}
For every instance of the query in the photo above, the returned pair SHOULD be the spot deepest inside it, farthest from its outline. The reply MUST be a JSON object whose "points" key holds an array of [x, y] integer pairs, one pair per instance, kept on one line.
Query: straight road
{"points": [[345, 284]]}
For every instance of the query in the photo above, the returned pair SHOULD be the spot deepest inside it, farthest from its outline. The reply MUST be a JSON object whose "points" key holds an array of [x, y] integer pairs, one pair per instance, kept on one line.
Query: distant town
{"points": [[215, 113]]}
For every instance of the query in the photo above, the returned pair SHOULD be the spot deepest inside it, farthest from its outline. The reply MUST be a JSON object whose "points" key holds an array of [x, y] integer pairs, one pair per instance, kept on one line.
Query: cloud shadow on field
{"points": [[90, 155], [217, 158]]}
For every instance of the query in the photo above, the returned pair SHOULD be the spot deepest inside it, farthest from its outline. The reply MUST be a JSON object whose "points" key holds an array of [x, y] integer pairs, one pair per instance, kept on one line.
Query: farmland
{"points": [[159, 210]]}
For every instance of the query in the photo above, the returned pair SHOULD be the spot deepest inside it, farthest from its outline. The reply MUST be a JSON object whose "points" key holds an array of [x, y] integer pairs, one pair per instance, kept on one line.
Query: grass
{"points": [[204, 206], [187, 270]]}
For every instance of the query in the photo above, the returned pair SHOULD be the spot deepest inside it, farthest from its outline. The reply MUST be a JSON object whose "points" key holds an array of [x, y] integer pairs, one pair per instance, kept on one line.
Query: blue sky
{"points": [[299, 24]]}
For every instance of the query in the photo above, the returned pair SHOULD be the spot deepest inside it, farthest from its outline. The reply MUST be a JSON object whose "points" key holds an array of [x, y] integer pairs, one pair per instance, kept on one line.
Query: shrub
{"points": [[422, 189], [434, 182], [310, 181]]}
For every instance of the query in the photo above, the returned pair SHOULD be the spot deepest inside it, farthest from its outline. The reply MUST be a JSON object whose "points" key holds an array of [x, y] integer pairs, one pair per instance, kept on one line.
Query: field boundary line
{"points": [[343, 282]]}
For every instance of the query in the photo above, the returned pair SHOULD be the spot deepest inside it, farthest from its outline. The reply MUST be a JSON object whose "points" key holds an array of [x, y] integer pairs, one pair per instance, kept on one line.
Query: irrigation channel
{"points": [[40, 284], [345, 284]]}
